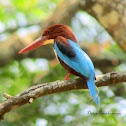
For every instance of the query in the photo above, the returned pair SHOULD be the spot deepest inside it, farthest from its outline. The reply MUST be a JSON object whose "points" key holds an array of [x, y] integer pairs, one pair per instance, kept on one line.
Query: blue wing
{"points": [[78, 63], [82, 64]]}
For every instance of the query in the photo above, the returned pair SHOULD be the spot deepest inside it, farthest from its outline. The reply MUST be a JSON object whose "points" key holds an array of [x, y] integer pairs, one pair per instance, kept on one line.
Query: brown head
{"points": [[49, 35]]}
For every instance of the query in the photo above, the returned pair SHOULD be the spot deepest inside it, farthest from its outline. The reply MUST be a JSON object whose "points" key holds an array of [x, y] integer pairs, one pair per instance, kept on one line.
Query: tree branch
{"points": [[29, 95]]}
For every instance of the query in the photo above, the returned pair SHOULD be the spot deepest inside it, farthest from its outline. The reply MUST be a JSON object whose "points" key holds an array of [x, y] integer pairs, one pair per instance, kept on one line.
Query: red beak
{"points": [[35, 44]]}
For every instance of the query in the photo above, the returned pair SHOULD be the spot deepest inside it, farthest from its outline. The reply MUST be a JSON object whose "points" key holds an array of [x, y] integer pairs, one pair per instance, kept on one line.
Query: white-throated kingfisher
{"points": [[69, 54]]}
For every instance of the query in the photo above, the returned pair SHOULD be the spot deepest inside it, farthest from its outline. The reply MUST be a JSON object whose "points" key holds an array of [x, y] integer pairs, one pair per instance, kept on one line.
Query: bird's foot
{"points": [[66, 78]]}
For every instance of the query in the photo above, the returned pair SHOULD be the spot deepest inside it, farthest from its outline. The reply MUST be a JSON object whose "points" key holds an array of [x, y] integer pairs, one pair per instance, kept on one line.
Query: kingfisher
{"points": [[69, 54]]}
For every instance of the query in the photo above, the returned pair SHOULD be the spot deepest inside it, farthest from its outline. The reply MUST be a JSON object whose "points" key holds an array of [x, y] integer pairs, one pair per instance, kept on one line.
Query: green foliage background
{"points": [[68, 108]]}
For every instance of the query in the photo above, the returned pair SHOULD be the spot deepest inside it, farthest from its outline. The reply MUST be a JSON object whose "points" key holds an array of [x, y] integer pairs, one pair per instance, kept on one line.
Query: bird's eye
{"points": [[49, 31]]}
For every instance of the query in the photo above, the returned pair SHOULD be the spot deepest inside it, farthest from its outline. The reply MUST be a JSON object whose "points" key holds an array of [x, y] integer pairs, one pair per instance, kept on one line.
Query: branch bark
{"points": [[29, 95]]}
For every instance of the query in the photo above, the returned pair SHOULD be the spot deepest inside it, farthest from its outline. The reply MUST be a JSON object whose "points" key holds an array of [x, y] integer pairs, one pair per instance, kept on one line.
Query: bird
{"points": [[69, 54]]}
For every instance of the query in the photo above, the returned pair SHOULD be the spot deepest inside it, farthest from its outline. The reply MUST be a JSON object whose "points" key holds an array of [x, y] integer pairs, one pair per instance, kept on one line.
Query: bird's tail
{"points": [[92, 89]]}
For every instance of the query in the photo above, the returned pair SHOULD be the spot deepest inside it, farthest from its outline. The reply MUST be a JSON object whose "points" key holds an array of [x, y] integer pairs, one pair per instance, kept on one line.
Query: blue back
{"points": [[81, 63]]}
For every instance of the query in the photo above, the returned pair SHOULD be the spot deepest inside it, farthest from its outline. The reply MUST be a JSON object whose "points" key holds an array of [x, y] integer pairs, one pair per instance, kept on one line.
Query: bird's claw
{"points": [[67, 79]]}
